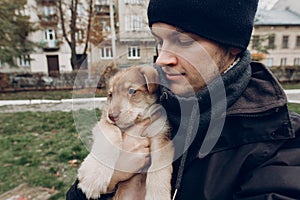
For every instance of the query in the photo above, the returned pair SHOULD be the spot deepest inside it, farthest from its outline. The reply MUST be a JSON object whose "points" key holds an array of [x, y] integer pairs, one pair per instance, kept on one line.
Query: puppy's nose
{"points": [[113, 116]]}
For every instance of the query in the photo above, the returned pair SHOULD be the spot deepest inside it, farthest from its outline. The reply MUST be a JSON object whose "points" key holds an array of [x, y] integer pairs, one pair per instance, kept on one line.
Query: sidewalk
{"points": [[68, 105], [293, 96], [41, 101], [65, 105]]}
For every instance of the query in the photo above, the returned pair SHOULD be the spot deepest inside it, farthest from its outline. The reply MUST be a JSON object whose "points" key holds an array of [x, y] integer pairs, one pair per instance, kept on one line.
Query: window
{"points": [[297, 62], [79, 34], [105, 26], [50, 38], [127, 23], [50, 35], [298, 42], [134, 1], [269, 62], [80, 10], [49, 10], [255, 41], [106, 53], [271, 41], [285, 41], [133, 22], [283, 62], [48, 13], [24, 61], [102, 2], [134, 52]]}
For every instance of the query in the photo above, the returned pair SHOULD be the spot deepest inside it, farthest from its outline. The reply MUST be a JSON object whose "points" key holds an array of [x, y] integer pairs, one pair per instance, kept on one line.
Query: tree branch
{"points": [[62, 20], [88, 26]]}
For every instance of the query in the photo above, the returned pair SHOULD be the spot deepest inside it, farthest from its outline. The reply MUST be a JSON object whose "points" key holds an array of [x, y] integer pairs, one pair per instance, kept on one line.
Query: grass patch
{"points": [[294, 107], [42, 149], [290, 86], [52, 95]]}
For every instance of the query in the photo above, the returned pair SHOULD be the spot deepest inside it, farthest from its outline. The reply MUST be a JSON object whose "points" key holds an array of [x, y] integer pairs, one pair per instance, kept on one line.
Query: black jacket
{"points": [[257, 155]]}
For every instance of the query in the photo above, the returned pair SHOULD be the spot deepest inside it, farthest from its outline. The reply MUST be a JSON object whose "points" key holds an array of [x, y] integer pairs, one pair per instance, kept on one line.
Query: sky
{"points": [[266, 4]]}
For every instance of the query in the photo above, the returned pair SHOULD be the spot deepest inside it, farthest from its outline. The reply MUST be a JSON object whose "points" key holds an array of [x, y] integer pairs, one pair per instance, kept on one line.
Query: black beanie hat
{"points": [[229, 22]]}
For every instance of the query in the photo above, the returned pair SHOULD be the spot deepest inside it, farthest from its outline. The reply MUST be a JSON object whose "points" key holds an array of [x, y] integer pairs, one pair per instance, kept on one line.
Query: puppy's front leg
{"points": [[95, 172], [158, 182], [132, 189]]}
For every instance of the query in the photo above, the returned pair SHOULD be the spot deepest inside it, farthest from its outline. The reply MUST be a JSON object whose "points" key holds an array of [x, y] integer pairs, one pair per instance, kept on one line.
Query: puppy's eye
{"points": [[131, 91], [109, 95]]}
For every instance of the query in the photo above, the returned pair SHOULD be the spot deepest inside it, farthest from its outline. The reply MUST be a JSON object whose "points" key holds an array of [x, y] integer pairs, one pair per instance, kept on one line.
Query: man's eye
{"points": [[185, 41], [159, 43], [131, 91]]}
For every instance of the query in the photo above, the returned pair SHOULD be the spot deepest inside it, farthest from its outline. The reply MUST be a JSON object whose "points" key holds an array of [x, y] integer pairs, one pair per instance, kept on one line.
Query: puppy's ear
{"points": [[151, 78]]}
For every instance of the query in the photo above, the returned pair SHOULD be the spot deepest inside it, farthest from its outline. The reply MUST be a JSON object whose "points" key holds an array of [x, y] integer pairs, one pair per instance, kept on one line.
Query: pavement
{"points": [[293, 96], [68, 105], [65, 105]]}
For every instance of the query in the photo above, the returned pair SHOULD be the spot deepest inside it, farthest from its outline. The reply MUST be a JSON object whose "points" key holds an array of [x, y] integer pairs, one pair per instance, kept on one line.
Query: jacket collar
{"points": [[262, 84], [250, 90], [260, 114]]}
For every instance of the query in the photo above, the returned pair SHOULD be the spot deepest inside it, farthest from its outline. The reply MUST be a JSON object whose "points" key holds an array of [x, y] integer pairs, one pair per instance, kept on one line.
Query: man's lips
{"points": [[174, 76]]}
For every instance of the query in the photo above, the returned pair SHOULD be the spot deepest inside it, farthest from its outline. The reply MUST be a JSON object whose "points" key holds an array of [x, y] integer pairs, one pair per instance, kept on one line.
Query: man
{"points": [[234, 137]]}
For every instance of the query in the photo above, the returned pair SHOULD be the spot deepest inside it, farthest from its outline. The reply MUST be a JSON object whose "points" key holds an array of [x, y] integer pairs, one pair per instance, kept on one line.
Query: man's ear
{"points": [[234, 51], [151, 78]]}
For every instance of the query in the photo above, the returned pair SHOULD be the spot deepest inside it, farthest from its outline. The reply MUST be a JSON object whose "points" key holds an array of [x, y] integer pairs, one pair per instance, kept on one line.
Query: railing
{"points": [[50, 44], [102, 2], [48, 20], [43, 2]]}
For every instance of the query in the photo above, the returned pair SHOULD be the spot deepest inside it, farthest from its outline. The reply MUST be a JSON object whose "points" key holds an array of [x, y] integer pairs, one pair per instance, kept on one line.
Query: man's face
{"points": [[189, 61]]}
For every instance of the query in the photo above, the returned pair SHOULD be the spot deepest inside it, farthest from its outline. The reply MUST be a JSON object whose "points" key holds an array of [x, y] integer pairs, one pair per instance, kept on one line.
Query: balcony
{"points": [[102, 2], [48, 20], [46, 2], [50, 45], [102, 10]]}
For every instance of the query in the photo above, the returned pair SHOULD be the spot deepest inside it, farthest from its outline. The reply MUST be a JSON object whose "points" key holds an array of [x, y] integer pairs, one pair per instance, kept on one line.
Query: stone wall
{"points": [[82, 79], [287, 74], [38, 81]]}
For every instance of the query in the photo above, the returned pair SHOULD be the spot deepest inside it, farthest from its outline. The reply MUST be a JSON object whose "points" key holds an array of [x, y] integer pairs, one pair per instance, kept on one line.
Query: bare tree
{"points": [[72, 24]]}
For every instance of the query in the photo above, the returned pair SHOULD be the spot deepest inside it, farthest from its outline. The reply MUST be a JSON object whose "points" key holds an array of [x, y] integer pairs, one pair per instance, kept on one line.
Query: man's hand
{"points": [[135, 154]]}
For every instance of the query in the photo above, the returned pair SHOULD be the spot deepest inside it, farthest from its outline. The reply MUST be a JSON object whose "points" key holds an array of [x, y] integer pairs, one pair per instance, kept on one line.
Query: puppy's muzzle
{"points": [[114, 116]]}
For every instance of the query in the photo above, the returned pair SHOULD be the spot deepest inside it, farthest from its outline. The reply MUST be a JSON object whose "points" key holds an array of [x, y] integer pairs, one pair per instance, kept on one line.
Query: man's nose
{"points": [[166, 58]]}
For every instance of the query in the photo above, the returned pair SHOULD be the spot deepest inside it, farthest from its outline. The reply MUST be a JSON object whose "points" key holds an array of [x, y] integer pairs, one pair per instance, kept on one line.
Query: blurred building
{"points": [[276, 35], [134, 43], [122, 38], [128, 37]]}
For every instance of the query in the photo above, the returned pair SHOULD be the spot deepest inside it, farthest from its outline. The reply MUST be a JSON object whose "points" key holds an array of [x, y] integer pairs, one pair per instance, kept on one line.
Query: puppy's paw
{"points": [[157, 197], [93, 177], [89, 188]]}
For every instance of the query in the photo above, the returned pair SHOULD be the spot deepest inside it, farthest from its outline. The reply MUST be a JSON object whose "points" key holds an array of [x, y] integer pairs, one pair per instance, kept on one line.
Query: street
{"points": [[68, 105]]}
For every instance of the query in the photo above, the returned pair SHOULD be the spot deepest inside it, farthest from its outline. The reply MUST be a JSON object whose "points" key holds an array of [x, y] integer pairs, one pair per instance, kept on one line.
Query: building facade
{"points": [[126, 39], [276, 35], [54, 54], [133, 43], [127, 43]]}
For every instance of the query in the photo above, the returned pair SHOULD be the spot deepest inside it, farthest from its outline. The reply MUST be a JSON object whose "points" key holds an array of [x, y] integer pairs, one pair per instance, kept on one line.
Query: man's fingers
{"points": [[156, 115], [136, 145], [130, 140]]}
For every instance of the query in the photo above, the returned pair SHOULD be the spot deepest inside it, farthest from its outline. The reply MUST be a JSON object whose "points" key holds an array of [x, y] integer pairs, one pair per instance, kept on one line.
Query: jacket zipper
{"points": [[174, 195], [262, 114]]}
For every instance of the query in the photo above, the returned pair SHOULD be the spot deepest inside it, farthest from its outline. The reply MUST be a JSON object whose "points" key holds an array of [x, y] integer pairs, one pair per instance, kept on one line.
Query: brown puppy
{"points": [[131, 99]]}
